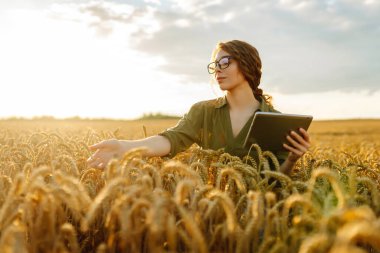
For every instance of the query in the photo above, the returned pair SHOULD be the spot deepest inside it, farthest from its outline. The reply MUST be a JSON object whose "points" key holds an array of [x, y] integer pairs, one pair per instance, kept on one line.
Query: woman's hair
{"points": [[249, 63]]}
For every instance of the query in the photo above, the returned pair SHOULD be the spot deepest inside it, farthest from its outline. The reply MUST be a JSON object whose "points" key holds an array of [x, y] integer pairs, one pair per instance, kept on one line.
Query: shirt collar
{"points": [[222, 101]]}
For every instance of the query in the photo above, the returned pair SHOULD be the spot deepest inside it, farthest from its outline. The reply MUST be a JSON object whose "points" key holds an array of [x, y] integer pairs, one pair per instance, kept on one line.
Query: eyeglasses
{"points": [[223, 63]]}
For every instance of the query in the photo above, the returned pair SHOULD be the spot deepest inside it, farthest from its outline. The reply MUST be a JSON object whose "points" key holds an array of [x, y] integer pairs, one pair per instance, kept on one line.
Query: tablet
{"points": [[269, 129]]}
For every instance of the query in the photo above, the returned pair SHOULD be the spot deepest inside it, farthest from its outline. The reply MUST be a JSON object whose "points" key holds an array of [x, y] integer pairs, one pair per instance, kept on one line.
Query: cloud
{"points": [[310, 57], [305, 45], [194, 6], [105, 17]]}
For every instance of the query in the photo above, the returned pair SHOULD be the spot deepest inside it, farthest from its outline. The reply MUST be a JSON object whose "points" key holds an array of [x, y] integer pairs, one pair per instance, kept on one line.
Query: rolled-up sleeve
{"points": [[187, 131]]}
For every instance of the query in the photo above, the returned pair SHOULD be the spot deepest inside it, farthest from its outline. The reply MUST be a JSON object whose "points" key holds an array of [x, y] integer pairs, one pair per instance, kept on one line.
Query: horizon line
{"points": [[145, 116]]}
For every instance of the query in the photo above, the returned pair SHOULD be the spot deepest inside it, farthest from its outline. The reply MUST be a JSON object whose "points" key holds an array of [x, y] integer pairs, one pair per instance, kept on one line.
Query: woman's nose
{"points": [[217, 68]]}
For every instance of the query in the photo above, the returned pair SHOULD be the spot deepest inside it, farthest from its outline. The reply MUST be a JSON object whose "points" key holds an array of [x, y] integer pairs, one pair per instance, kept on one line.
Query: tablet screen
{"points": [[269, 129]]}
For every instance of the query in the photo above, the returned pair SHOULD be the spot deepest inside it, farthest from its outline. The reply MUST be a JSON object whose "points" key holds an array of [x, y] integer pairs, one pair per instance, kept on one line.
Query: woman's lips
{"points": [[220, 79]]}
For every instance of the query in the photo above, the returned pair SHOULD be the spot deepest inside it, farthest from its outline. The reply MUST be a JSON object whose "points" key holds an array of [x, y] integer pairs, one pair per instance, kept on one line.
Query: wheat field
{"points": [[199, 201]]}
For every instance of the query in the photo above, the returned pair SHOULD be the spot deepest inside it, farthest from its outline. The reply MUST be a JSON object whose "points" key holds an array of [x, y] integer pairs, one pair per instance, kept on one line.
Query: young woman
{"points": [[218, 123]]}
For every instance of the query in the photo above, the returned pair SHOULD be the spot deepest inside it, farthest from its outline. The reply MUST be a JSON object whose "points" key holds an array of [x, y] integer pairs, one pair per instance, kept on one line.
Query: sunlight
{"points": [[116, 60], [55, 66]]}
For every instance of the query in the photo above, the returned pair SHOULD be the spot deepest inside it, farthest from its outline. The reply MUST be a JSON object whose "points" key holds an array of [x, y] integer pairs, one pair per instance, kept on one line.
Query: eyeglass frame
{"points": [[229, 57]]}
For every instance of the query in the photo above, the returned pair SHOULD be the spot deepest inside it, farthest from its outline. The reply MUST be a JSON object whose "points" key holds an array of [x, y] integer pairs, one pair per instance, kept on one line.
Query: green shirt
{"points": [[208, 124]]}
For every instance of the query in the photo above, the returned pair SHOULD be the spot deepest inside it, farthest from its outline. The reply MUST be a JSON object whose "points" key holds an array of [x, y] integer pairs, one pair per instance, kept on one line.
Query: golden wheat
{"points": [[199, 201]]}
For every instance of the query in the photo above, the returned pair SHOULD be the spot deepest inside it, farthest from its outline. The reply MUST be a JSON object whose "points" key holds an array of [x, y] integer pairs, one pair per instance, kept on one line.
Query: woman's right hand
{"points": [[104, 152]]}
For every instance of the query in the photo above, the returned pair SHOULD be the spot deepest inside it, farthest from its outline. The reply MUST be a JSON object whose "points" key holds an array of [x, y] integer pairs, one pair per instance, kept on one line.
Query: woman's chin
{"points": [[223, 86]]}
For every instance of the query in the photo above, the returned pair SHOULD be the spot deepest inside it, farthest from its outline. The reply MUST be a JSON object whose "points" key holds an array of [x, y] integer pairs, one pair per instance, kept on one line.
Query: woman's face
{"points": [[227, 72]]}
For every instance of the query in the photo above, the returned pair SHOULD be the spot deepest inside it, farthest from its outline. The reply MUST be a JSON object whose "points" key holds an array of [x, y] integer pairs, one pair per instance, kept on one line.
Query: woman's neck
{"points": [[242, 98]]}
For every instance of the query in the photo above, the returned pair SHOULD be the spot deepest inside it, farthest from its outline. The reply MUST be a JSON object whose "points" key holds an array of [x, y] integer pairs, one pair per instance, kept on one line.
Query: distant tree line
{"points": [[158, 116], [77, 118]]}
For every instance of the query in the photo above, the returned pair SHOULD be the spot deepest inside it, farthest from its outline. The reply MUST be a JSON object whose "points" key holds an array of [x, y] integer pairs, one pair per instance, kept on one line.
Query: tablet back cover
{"points": [[269, 130]]}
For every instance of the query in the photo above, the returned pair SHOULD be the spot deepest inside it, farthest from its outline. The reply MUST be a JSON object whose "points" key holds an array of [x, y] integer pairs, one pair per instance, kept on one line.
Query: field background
{"points": [[132, 129], [201, 201], [349, 136]]}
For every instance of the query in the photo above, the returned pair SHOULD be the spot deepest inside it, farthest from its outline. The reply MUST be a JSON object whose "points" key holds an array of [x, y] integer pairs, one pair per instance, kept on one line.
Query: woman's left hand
{"points": [[300, 144]]}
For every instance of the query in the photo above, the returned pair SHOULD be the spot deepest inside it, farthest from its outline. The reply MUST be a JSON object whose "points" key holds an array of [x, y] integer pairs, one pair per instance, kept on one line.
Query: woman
{"points": [[218, 123]]}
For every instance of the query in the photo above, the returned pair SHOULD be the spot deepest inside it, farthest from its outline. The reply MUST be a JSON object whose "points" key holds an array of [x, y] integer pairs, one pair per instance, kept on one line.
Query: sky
{"points": [[121, 59]]}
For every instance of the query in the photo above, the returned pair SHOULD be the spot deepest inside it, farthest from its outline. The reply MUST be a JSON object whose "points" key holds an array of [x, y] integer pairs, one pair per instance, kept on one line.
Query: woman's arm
{"points": [[299, 146], [108, 149]]}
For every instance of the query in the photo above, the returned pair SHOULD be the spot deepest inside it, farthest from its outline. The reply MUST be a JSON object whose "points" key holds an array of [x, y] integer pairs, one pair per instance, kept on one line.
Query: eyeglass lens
{"points": [[222, 63]]}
